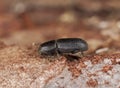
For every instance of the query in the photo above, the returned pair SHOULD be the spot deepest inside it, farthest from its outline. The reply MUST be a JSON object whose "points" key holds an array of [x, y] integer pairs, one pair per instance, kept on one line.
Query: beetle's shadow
{"points": [[72, 57]]}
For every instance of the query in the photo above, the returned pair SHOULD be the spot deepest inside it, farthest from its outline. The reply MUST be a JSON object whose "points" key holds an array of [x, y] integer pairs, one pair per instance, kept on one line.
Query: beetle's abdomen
{"points": [[71, 45]]}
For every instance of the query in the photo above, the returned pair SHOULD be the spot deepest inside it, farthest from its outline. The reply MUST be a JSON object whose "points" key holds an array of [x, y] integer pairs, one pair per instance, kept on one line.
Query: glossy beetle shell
{"points": [[63, 46]]}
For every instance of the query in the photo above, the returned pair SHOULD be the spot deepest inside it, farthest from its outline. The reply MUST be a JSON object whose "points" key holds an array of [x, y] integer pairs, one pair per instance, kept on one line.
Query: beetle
{"points": [[63, 46]]}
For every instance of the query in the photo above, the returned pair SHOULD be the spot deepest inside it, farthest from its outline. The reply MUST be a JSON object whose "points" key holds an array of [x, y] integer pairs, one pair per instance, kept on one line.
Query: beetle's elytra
{"points": [[63, 46]]}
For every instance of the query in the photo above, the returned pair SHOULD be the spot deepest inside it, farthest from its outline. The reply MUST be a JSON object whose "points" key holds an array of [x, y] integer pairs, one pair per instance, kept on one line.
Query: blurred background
{"points": [[24, 22]]}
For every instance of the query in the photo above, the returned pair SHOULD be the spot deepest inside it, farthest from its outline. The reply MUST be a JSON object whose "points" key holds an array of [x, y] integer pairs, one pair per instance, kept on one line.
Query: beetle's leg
{"points": [[82, 53], [58, 55], [75, 51]]}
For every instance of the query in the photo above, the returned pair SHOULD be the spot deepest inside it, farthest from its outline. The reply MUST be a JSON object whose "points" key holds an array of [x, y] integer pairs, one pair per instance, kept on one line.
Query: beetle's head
{"points": [[42, 50], [47, 50]]}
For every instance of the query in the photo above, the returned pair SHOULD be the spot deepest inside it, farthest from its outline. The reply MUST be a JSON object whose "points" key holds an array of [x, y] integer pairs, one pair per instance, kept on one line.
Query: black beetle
{"points": [[63, 46]]}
